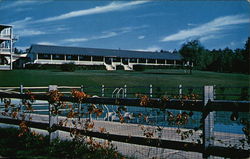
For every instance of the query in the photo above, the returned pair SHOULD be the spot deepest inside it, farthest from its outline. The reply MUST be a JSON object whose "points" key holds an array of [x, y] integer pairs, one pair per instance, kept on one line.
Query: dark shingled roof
{"points": [[3, 26], [47, 49]]}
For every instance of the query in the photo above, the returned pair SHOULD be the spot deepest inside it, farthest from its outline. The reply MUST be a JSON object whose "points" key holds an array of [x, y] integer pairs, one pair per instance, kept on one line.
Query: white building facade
{"points": [[6, 47]]}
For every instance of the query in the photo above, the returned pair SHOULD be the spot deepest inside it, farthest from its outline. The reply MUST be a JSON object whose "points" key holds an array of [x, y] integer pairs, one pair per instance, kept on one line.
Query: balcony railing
{"points": [[5, 50], [5, 36]]}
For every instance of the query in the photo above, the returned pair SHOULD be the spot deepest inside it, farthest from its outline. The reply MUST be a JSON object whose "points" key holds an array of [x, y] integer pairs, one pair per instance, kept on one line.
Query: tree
{"points": [[238, 60], [192, 51], [246, 56]]}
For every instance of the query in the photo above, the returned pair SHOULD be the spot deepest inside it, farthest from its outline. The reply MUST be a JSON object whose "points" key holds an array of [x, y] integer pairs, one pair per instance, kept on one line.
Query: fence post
{"points": [[125, 91], [150, 90], [208, 120], [21, 92], [180, 95], [103, 90], [52, 119], [180, 91], [214, 91], [82, 88], [80, 105]]}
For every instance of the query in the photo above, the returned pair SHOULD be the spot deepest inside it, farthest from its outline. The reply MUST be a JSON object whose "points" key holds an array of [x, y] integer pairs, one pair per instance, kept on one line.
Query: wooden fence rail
{"points": [[169, 144], [178, 104]]}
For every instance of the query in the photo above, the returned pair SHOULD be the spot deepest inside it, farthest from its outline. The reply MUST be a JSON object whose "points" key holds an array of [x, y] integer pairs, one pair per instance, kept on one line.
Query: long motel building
{"points": [[110, 58]]}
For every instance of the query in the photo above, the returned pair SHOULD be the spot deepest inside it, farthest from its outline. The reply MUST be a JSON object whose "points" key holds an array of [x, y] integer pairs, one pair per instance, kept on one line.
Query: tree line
{"points": [[218, 60]]}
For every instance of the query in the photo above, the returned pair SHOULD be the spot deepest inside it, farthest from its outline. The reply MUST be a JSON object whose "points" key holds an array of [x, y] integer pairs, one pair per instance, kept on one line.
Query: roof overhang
{"points": [[3, 26]]}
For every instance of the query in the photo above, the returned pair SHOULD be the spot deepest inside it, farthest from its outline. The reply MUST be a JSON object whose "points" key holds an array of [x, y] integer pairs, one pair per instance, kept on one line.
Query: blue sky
{"points": [[133, 25]]}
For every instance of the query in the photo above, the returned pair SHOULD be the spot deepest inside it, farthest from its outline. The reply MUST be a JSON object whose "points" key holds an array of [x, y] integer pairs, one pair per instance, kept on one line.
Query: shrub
{"points": [[69, 67], [139, 67], [33, 145]]}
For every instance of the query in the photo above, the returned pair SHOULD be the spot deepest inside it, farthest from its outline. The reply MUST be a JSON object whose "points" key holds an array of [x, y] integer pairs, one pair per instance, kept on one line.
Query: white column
{"points": [[11, 43], [166, 62], [174, 62], [51, 59], [137, 60], [65, 58], [156, 61]]}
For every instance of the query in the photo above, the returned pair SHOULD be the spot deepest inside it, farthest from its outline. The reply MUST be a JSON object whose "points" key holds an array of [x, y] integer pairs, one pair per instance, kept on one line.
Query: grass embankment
{"points": [[161, 78], [31, 145]]}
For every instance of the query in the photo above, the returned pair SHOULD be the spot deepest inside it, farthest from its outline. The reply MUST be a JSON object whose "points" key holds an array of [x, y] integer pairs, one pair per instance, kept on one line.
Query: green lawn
{"points": [[119, 78], [96, 78]]}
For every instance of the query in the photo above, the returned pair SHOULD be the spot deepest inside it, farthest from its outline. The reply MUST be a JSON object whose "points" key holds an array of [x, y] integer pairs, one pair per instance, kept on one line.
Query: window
{"points": [[58, 57], [85, 58], [178, 62], [116, 59], [160, 61], [71, 57], [170, 61], [97, 58], [108, 60], [142, 60], [43, 56], [133, 60], [151, 61], [125, 61]]}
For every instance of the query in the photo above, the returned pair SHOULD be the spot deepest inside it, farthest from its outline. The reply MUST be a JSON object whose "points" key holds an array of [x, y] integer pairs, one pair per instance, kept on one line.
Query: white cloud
{"points": [[21, 23], [141, 37], [29, 32], [151, 49], [61, 28], [114, 6], [46, 43], [232, 43], [205, 38], [212, 27], [102, 36], [191, 24], [16, 4], [23, 48], [76, 40], [22, 9], [106, 34], [126, 29], [23, 27]]}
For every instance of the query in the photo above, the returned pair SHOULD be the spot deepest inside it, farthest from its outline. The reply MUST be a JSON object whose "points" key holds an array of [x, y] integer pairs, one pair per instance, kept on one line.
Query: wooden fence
{"points": [[207, 105]]}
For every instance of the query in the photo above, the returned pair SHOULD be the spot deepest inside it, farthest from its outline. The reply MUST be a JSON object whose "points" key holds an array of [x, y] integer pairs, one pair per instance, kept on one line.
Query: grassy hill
{"points": [[162, 78], [95, 78]]}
